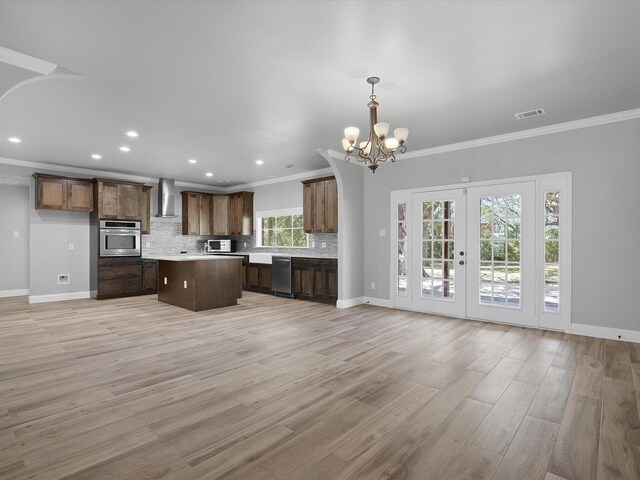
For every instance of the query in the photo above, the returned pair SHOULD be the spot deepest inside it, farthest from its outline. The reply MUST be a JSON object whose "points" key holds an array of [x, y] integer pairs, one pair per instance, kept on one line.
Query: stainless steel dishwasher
{"points": [[281, 276]]}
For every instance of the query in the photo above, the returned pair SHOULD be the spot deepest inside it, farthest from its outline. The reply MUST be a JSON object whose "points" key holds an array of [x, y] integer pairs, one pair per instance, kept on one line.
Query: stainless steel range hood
{"points": [[166, 198]]}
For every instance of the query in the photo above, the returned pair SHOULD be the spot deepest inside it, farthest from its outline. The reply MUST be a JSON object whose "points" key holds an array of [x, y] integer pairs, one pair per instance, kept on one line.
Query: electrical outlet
{"points": [[373, 285], [244, 244], [324, 244], [16, 234], [165, 280], [185, 284], [64, 279], [147, 244], [71, 246], [313, 244], [383, 233], [465, 179]]}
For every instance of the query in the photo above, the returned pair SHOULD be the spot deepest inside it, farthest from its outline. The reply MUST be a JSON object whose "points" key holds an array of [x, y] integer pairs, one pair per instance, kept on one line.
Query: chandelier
{"points": [[378, 147]]}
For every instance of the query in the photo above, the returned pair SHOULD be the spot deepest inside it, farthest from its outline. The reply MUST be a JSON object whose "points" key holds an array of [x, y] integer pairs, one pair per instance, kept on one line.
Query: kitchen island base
{"points": [[200, 284]]}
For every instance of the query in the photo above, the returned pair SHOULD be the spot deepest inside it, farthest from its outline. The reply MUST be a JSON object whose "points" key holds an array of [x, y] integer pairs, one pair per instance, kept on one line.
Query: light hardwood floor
{"points": [[274, 389]]}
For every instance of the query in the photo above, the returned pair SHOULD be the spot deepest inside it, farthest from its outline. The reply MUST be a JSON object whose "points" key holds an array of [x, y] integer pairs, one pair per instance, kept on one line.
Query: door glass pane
{"points": [[500, 258], [402, 250], [552, 252], [438, 233]]}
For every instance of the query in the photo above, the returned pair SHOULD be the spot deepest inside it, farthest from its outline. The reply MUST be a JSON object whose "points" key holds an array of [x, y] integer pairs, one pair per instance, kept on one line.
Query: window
{"points": [[552, 252], [281, 228]]}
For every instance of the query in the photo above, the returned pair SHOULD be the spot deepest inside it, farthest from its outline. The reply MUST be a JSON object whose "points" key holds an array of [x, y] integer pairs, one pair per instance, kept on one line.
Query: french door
{"points": [[438, 285], [482, 252]]}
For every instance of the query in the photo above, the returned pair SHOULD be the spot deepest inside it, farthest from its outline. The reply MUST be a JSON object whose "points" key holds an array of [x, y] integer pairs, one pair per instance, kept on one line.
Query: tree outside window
{"points": [[283, 231]]}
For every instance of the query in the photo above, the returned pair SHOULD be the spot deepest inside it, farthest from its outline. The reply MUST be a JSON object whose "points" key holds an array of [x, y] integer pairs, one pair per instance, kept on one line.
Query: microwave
{"points": [[221, 246], [120, 238]]}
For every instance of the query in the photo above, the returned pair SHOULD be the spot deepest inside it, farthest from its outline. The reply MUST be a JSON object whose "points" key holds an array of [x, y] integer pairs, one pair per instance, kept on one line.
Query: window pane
{"points": [[283, 222], [299, 238], [551, 251], [284, 237], [298, 221], [268, 222], [402, 212]]}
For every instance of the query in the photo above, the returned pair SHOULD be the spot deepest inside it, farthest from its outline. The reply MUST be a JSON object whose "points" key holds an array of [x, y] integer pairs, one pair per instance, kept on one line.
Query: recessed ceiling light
{"points": [[288, 165], [193, 160], [271, 176], [132, 134], [96, 156], [259, 162], [209, 174], [223, 181], [14, 139], [124, 148]]}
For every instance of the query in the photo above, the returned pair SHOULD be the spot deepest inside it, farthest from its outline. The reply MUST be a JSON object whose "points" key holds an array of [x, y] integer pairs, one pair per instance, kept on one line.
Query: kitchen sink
{"points": [[260, 258]]}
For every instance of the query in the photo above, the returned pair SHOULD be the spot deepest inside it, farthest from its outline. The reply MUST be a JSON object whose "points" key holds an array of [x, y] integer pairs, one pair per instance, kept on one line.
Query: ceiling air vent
{"points": [[530, 113]]}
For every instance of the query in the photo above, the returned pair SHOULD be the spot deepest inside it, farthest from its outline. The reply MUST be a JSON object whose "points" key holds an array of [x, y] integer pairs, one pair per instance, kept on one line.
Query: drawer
{"points": [[120, 272]]}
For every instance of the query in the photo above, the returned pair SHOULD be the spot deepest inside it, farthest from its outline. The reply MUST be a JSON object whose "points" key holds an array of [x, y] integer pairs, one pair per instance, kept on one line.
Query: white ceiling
{"points": [[228, 82]]}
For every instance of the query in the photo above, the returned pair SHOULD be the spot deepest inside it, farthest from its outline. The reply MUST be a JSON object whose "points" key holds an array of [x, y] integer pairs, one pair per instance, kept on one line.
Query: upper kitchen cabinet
{"points": [[221, 214], [63, 193], [320, 205], [119, 200], [241, 213], [145, 210], [197, 213]]}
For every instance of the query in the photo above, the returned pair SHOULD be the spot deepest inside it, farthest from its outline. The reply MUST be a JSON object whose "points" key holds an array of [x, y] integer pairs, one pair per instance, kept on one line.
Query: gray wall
{"points": [[350, 228], [14, 252], [605, 161], [50, 233]]}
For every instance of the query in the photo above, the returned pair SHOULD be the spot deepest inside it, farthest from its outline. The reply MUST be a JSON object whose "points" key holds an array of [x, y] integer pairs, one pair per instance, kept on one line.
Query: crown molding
{"points": [[26, 62], [89, 172], [509, 137], [298, 176]]}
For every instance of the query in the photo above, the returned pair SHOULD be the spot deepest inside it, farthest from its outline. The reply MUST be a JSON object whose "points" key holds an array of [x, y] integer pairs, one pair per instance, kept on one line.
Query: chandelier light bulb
{"points": [[391, 144], [347, 145], [401, 134], [381, 129], [351, 134], [365, 147]]}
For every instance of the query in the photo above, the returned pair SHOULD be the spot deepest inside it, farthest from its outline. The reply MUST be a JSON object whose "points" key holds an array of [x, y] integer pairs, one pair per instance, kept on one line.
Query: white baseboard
{"points": [[14, 293], [350, 302], [605, 332], [378, 302], [58, 297]]}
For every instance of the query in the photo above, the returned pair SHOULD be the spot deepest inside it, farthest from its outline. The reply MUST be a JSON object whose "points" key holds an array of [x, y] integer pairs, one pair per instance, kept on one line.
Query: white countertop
{"points": [[189, 258]]}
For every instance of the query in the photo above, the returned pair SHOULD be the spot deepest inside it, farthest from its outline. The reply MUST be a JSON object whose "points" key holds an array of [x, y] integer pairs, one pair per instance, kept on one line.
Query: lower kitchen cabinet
{"points": [[315, 279], [125, 277], [119, 277], [149, 276], [258, 277]]}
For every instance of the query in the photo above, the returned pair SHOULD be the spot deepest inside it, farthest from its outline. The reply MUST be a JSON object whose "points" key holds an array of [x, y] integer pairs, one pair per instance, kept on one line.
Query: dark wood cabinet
{"points": [[217, 214], [320, 205], [196, 213], [119, 277], [220, 206], [126, 276], [145, 210], [63, 193], [149, 276], [315, 279], [119, 200], [241, 213], [258, 277]]}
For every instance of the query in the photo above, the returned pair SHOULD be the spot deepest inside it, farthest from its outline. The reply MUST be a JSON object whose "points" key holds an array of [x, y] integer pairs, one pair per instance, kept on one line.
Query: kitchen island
{"points": [[199, 282]]}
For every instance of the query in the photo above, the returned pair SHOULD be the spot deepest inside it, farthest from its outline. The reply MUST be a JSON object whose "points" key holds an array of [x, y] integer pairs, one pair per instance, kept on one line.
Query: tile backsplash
{"points": [[166, 239]]}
